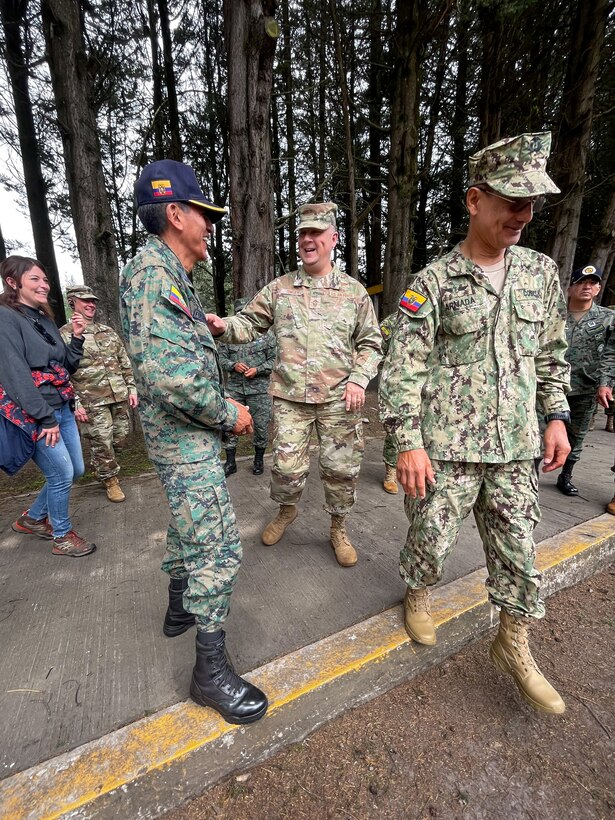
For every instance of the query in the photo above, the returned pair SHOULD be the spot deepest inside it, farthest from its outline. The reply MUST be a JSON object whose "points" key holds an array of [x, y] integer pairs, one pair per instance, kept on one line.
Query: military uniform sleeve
{"points": [[552, 369], [607, 360], [267, 366], [405, 368], [255, 318], [367, 341], [226, 363], [174, 357], [125, 367]]}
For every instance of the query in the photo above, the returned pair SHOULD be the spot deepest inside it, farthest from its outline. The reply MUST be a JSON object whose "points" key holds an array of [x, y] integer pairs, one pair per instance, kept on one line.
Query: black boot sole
{"points": [[229, 472], [198, 698], [172, 631]]}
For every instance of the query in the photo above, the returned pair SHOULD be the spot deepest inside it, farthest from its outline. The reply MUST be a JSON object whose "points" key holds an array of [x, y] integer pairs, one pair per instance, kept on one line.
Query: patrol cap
{"points": [[80, 292], [317, 215], [239, 304], [588, 272], [169, 181], [515, 166]]}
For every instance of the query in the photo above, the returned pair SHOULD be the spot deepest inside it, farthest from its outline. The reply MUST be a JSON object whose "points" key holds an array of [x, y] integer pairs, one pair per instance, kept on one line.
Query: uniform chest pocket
{"points": [[529, 315], [288, 311], [464, 336], [180, 333]]}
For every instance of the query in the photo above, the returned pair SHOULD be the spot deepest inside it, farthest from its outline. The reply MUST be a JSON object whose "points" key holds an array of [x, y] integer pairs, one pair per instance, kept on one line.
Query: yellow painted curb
{"points": [[76, 778]]}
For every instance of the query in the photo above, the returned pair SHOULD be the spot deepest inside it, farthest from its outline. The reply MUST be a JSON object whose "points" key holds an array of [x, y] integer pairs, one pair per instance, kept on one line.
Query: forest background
{"points": [[374, 104]]}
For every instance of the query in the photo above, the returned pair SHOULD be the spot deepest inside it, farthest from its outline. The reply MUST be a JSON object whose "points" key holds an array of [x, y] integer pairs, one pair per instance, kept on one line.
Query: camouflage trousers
{"points": [[340, 439], [260, 409], [581, 411], [389, 451], [106, 430], [203, 539], [504, 498]]}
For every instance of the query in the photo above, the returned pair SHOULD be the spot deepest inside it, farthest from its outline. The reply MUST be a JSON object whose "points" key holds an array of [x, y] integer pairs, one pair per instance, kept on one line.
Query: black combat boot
{"points": [[258, 466], [177, 620], [564, 480], [230, 466], [216, 684]]}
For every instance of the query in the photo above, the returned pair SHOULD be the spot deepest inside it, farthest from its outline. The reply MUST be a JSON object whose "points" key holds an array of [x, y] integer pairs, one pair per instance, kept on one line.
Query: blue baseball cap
{"points": [[169, 181], [587, 272]]}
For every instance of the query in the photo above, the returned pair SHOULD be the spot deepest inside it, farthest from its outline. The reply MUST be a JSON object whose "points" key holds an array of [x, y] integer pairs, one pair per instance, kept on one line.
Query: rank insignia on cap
{"points": [[162, 187], [413, 301], [175, 297], [589, 270]]}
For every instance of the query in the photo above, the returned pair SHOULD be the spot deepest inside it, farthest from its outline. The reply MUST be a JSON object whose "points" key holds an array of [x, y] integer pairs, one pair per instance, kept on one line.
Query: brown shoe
{"points": [[72, 545], [114, 491], [610, 424], [610, 507], [417, 616], [31, 526], [345, 553], [275, 529], [390, 480]]}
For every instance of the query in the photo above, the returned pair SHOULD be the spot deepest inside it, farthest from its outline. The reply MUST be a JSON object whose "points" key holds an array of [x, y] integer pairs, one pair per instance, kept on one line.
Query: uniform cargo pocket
{"points": [[529, 315], [464, 337]]}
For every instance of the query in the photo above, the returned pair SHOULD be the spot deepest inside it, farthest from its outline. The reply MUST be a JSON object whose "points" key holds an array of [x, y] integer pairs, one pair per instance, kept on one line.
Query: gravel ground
{"points": [[458, 742]]}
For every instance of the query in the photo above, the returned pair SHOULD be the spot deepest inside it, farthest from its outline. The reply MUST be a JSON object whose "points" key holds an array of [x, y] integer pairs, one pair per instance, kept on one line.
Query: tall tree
{"points": [[14, 20], [250, 34], [71, 76]]}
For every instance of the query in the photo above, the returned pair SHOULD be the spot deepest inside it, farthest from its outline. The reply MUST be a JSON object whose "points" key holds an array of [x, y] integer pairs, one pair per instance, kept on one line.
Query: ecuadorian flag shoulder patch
{"points": [[412, 300], [175, 298]]}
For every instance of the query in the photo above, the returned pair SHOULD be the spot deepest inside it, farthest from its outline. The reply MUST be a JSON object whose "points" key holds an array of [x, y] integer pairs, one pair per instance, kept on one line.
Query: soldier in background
{"points": [[105, 389], [479, 335], [328, 350], [248, 368], [184, 413], [591, 355], [389, 450]]}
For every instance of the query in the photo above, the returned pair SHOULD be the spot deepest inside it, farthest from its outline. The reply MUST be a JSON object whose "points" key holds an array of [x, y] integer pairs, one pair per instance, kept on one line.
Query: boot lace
{"points": [[223, 674]]}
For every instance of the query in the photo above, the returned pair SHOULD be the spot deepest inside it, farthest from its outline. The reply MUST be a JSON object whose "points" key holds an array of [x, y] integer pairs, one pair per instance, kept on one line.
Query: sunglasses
{"points": [[41, 330], [517, 205]]}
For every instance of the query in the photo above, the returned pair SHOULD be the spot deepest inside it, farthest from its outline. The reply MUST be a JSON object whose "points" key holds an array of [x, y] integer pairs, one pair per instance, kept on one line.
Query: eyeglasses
{"points": [[518, 205]]}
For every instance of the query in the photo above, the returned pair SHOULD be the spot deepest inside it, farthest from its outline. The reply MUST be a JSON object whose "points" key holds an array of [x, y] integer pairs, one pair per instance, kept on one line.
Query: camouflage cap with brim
{"points": [[318, 216], [515, 166], [80, 292]]}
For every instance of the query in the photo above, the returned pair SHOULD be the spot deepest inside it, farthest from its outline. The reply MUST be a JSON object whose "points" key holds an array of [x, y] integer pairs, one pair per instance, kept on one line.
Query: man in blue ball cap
{"points": [[184, 413]]}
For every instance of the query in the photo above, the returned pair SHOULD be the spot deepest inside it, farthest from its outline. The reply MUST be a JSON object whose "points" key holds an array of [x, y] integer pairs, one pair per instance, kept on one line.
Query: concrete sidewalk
{"points": [[84, 653]]}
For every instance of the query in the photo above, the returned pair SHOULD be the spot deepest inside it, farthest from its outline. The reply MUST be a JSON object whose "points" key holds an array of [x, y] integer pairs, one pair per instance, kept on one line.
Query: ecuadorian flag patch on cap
{"points": [[162, 187], [412, 300], [175, 297]]}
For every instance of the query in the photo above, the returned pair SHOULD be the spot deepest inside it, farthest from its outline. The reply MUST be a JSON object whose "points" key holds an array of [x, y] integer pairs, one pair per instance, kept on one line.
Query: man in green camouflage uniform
{"points": [[105, 390], [328, 349], [248, 368], [389, 450], [479, 335], [591, 355], [184, 412]]}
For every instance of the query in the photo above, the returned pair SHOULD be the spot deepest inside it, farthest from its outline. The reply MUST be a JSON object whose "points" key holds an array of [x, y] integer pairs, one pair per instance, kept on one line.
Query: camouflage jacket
{"points": [[387, 326], [591, 350], [325, 329], [104, 375], [465, 365], [174, 358], [259, 354]]}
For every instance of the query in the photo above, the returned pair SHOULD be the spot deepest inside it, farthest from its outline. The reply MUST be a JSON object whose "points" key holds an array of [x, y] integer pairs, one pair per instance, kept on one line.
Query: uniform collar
{"points": [[329, 280], [176, 267]]}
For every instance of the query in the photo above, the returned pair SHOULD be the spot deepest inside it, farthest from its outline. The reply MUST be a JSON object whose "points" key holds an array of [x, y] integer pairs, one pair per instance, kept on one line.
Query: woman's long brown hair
{"points": [[14, 267]]}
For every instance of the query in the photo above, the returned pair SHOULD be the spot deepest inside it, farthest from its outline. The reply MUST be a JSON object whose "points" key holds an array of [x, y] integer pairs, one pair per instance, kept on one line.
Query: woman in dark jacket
{"points": [[36, 393]]}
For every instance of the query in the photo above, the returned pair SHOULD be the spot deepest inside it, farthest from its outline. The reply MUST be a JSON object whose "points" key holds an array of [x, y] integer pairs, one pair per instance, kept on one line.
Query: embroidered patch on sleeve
{"points": [[412, 301], [174, 296], [162, 187]]}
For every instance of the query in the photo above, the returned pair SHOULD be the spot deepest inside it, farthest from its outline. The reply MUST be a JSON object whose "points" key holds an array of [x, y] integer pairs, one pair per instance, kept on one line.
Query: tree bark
{"points": [[13, 18], [574, 131], [175, 148], [71, 81], [157, 95], [603, 251], [250, 34]]}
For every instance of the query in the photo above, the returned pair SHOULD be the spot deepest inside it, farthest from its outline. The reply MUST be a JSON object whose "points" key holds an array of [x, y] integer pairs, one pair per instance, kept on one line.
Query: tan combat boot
{"points": [[390, 480], [610, 507], [114, 491], [340, 543], [417, 616], [275, 529], [510, 652], [610, 424]]}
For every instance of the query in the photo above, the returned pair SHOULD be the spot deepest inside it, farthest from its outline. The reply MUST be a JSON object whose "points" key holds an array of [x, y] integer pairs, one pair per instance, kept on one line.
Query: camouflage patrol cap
{"points": [[317, 215], [239, 304], [515, 166], [80, 292]]}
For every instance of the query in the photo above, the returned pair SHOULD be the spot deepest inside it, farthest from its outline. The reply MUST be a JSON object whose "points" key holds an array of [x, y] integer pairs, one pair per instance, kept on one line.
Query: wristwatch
{"points": [[564, 416]]}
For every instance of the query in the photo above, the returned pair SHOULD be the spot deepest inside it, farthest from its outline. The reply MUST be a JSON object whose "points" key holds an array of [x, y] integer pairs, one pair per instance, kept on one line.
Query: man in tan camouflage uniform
{"points": [[105, 389], [328, 345], [480, 335]]}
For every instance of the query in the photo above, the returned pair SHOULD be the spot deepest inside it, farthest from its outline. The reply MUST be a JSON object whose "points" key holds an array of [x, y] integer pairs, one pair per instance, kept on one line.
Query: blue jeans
{"points": [[60, 465]]}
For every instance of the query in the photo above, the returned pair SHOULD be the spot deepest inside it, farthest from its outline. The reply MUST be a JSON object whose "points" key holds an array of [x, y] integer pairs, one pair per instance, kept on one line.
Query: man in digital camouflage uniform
{"points": [[184, 413], [248, 369], [105, 389], [479, 335], [328, 350], [591, 355], [389, 450]]}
